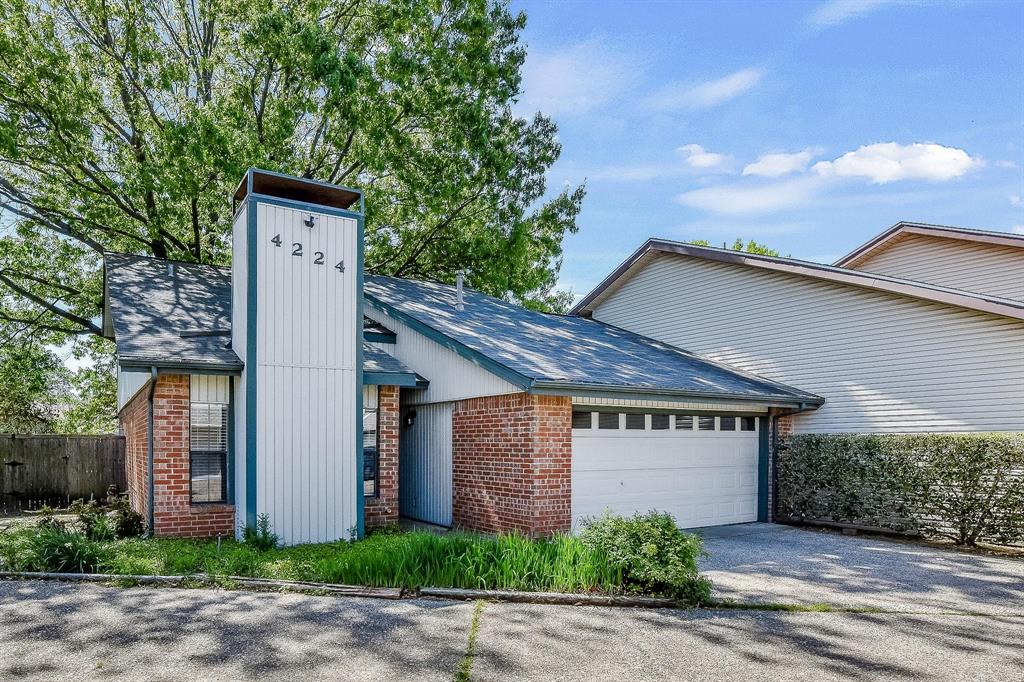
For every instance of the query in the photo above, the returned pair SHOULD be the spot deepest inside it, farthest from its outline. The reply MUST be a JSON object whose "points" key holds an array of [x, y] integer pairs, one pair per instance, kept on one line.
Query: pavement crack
{"points": [[466, 664]]}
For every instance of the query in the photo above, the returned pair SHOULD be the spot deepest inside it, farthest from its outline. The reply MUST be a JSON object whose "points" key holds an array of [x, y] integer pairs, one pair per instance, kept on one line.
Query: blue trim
{"points": [[230, 469], [360, 497], [452, 344], [250, 361], [380, 337], [306, 206], [762, 468], [371, 378]]}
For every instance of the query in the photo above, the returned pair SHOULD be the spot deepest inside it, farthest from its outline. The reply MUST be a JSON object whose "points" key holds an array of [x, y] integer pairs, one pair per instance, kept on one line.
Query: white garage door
{"points": [[700, 469]]}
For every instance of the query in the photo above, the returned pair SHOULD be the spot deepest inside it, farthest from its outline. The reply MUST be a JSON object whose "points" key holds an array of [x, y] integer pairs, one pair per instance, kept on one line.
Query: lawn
{"points": [[644, 555]]}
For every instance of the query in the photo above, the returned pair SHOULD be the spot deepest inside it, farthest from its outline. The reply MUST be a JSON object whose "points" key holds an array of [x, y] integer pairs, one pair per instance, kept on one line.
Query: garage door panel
{"points": [[701, 479]]}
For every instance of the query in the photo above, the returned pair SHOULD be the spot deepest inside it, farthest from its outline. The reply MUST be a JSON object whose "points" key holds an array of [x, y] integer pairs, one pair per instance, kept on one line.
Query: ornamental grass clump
{"points": [[654, 556]]}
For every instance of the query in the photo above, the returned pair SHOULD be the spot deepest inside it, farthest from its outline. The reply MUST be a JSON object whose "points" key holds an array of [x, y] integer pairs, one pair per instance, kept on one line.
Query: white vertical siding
{"points": [[206, 388], [990, 269], [239, 330], [451, 376], [306, 427], [885, 363], [425, 464]]}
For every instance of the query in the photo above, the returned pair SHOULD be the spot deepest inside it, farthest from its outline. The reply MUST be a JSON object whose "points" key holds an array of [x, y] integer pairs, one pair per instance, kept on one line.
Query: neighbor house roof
{"points": [[894, 285], [178, 315], [901, 229], [545, 353]]}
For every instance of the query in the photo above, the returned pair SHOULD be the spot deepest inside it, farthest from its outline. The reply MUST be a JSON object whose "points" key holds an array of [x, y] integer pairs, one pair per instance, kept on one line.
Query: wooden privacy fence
{"points": [[55, 470]]}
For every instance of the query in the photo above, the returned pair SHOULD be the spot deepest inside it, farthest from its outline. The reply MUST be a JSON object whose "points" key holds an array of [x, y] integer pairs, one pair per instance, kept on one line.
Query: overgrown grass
{"points": [[409, 560]]}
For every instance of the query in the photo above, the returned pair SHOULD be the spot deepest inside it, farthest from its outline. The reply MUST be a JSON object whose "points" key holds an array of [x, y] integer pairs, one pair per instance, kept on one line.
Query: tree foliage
{"points": [[34, 384], [739, 245], [125, 124]]}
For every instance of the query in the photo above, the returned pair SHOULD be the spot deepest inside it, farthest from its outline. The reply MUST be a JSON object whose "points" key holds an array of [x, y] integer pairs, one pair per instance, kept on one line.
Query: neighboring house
{"points": [[239, 390], [888, 354]]}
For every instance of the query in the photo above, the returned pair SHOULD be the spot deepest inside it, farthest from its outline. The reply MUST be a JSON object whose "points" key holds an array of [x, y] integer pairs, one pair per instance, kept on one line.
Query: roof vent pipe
{"points": [[459, 304]]}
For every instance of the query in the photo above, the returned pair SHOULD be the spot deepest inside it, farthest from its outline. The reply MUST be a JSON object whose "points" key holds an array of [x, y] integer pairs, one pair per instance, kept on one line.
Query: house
{"points": [[919, 330], [240, 389], [240, 392]]}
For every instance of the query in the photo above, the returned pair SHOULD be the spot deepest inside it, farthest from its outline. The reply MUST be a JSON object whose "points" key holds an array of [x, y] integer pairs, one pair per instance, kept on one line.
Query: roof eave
{"points": [[190, 366], [802, 402], [879, 242]]}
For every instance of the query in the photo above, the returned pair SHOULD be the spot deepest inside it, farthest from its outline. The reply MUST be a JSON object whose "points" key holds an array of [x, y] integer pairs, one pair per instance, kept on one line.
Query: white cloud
{"points": [[777, 164], [888, 162], [1015, 200], [839, 11], [742, 198], [698, 157], [574, 79], [707, 94], [1017, 229]]}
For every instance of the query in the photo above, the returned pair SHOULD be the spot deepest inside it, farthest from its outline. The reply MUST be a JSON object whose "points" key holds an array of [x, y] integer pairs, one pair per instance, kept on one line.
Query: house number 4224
{"points": [[318, 256]]}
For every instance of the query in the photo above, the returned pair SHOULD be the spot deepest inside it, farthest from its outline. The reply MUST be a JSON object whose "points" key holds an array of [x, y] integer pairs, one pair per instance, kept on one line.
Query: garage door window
{"points": [[684, 422], [706, 423], [636, 422], [748, 424], [581, 420], [727, 423], [607, 420], [659, 422]]}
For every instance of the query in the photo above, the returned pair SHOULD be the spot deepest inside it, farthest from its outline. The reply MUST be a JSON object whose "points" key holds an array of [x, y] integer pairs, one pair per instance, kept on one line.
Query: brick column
{"points": [[512, 464], [134, 419], [174, 514], [784, 428], [383, 510]]}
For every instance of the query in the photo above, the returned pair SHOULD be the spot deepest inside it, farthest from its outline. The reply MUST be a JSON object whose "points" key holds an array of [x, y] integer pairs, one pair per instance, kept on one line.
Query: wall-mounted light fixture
{"points": [[410, 417]]}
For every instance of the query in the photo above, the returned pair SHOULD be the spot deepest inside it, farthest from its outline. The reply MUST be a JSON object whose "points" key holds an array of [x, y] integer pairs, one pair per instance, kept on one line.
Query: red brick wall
{"points": [[512, 459], [784, 428], [134, 418], [174, 514], [383, 509]]}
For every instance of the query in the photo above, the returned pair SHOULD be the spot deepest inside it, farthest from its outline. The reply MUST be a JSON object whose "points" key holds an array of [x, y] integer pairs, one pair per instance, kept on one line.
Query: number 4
{"points": [[340, 267], [276, 241]]}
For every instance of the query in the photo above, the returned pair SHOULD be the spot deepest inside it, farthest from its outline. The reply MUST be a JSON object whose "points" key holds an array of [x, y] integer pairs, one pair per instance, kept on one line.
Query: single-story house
{"points": [[240, 389]]}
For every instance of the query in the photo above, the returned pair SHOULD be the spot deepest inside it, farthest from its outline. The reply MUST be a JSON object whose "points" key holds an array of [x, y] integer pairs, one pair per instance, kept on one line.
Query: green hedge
{"points": [[966, 487]]}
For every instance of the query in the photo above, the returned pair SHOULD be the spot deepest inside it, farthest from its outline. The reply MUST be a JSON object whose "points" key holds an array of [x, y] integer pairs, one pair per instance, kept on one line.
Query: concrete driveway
{"points": [[60, 631], [773, 563]]}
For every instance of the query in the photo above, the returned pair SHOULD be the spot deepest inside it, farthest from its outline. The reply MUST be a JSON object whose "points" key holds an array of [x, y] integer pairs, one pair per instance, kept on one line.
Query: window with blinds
{"points": [[371, 468], [208, 452]]}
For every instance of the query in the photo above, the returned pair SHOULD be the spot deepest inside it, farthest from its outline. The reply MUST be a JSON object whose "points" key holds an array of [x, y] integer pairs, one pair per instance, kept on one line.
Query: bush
{"points": [[127, 522], [64, 551], [261, 537], [93, 520], [655, 557], [965, 487]]}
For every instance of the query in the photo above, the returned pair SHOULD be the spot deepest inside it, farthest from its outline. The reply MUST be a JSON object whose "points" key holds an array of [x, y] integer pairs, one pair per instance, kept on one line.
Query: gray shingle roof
{"points": [[538, 350], [153, 302], [179, 315]]}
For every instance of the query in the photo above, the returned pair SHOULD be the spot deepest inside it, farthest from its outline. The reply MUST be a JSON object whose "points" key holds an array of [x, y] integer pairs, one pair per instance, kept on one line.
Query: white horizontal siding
{"points": [[128, 384], [885, 363], [451, 376], [984, 268]]}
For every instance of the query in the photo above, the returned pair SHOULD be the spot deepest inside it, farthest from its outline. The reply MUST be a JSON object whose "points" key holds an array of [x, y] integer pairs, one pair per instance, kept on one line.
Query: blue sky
{"points": [[809, 126]]}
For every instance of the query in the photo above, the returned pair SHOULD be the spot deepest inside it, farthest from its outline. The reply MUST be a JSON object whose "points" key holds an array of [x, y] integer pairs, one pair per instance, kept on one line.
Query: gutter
{"points": [[799, 404], [150, 487]]}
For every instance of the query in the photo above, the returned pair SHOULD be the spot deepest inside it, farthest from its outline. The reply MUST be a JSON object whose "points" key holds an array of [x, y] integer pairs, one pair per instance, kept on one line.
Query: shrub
{"points": [[261, 536], [966, 487], [48, 519], [655, 557], [93, 520], [127, 522], [65, 551]]}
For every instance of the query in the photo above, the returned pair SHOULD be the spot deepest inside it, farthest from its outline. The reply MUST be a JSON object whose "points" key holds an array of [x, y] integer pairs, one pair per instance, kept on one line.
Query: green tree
{"points": [[739, 245], [34, 383], [124, 125]]}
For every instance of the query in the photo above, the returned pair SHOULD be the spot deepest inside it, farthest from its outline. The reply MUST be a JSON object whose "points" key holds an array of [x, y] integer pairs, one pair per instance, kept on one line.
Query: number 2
{"points": [[296, 249], [319, 260]]}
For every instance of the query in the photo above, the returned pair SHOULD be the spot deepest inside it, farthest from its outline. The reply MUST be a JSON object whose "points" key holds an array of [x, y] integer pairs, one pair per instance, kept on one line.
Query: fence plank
{"points": [[51, 469]]}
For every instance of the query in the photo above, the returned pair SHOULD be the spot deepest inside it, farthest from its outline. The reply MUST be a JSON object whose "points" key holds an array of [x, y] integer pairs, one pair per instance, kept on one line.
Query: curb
{"points": [[392, 593], [255, 583], [549, 598]]}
